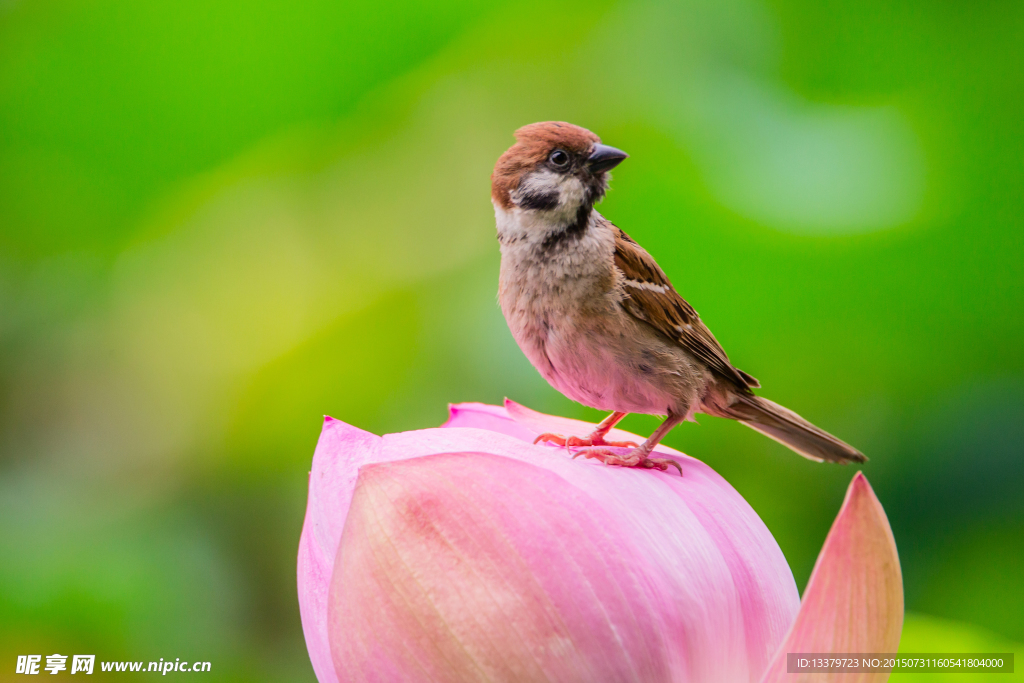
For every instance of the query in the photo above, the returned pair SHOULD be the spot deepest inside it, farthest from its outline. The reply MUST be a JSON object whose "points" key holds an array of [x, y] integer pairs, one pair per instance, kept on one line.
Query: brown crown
{"points": [[533, 144]]}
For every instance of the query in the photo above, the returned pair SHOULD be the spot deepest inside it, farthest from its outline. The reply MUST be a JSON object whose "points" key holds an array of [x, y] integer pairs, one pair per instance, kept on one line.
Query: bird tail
{"points": [[791, 430]]}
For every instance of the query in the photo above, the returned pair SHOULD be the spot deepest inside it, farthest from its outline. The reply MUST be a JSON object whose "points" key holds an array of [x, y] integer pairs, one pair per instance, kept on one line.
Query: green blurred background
{"points": [[220, 221]]}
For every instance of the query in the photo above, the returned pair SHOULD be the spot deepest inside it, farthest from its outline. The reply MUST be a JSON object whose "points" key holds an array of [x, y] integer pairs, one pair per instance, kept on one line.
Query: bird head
{"points": [[556, 171]]}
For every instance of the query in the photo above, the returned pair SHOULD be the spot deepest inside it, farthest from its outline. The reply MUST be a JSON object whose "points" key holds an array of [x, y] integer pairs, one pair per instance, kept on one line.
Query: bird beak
{"points": [[604, 158]]}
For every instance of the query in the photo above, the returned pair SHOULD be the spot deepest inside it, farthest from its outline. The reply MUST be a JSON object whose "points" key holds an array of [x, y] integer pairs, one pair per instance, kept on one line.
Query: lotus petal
{"points": [[471, 566], [487, 417], [853, 602]]}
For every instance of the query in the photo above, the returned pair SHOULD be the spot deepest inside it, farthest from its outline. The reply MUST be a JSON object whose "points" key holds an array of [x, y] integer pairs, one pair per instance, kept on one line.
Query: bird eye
{"points": [[559, 159]]}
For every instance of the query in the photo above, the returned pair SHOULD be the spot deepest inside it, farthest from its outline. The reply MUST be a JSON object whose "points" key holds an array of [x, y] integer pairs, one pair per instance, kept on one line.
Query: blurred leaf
{"points": [[923, 633]]}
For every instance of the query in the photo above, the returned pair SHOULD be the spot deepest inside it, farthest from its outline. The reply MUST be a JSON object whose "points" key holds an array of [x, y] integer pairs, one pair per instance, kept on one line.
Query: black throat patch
{"points": [[542, 201], [570, 233]]}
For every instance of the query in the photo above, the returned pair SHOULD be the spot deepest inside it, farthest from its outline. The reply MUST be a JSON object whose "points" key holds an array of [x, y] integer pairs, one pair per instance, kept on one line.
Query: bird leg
{"points": [[638, 457], [596, 438]]}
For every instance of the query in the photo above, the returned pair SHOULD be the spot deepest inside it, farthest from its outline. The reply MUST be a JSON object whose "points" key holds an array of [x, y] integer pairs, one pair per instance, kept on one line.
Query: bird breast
{"points": [[563, 307]]}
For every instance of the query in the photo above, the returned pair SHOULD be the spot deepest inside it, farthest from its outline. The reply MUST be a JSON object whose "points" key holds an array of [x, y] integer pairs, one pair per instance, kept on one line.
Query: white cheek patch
{"points": [[546, 190], [543, 180], [539, 190], [572, 190]]}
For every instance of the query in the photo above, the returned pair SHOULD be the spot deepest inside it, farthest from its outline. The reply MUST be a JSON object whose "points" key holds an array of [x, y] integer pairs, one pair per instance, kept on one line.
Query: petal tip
{"points": [[860, 490], [336, 426], [457, 410], [859, 486]]}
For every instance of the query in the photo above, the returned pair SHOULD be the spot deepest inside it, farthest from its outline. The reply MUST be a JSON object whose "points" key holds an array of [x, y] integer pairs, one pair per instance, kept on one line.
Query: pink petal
{"points": [[483, 416], [339, 453], [724, 593], [854, 599], [457, 567]]}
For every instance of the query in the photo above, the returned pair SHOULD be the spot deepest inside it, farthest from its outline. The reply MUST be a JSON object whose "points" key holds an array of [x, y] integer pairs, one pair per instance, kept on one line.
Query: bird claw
{"points": [[631, 460], [582, 442], [552, 438], [661, 464]]}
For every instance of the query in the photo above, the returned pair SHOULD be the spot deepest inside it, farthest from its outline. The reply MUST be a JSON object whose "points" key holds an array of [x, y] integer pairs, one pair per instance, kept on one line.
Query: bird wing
{"points": [[651, 298]]}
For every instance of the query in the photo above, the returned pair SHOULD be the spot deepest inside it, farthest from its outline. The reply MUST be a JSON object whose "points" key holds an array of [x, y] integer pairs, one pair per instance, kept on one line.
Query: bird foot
{"points": [[631, 459], [578, 442]]}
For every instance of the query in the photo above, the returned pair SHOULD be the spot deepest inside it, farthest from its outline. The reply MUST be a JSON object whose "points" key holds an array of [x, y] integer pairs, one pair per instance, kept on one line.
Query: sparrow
{"points": [[599, 319]]}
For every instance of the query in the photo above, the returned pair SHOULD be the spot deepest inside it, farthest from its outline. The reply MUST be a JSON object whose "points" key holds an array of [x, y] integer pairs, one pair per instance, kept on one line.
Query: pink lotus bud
{"points": [[467, 553], [853, 602]]}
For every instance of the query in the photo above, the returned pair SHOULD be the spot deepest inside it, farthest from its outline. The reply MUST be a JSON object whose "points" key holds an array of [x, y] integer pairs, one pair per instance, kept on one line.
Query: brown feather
{"points": [[650, 297], [791, 430]]}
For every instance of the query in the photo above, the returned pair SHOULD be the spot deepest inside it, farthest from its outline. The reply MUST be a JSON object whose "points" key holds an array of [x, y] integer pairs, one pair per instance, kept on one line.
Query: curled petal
{"points": [[490, 418], [854, 599], [330, 493]]}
